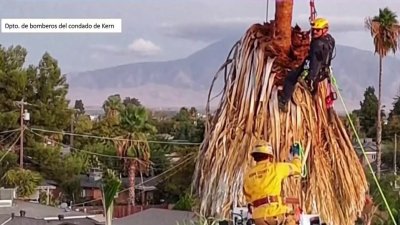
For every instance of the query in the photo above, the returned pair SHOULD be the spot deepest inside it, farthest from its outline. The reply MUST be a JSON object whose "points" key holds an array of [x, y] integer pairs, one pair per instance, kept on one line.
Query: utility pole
{"points": [[24, 116], [71, 137], [21, 138], [395, 154], [395, 160]]}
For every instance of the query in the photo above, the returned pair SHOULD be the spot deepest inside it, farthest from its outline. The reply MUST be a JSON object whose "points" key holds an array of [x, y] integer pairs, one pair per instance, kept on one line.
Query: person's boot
{"points": [[302, 82], [282, 104], [313, 85]]}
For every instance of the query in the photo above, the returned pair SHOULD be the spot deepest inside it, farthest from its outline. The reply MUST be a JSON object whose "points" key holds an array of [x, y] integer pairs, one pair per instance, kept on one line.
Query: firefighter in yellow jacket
{"points": [[262, 186]]}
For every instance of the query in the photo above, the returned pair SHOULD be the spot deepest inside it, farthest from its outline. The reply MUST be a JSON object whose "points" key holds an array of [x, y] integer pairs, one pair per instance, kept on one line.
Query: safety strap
{"points": [[313, 11], [332, 96], [272, 199]]}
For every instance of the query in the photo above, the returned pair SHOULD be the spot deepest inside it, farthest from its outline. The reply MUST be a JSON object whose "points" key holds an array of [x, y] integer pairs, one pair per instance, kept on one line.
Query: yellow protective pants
{"points": [[278, 220]]}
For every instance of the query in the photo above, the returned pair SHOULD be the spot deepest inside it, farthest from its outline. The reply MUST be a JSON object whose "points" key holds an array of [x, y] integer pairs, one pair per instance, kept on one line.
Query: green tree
{"points": [[106, 148], [177, 184], [53, 165], [112, 108], [8, 161], [185, 202], [52, 110], [367, 112], [158, 157], [392, 128], [393, 125], [82, 125], [26, 181], [79, 107], [16, 83], [392, 197], [133, 143], [132, 101], [136, 119], [71, 188], [187, 126], [384, 29]]}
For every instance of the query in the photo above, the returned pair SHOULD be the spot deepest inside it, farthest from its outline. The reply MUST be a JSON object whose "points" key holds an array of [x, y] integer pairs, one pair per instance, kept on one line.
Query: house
{"points": [[92, 193], [370, 150], [21, 212], [91, 188], [155, 216], [45, 187]]}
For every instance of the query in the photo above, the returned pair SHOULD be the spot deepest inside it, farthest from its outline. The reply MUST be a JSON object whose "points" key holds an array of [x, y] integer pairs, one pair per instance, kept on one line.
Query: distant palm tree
{"points": [[26, 181], [134, 121], [112, 106], [384, 29]]}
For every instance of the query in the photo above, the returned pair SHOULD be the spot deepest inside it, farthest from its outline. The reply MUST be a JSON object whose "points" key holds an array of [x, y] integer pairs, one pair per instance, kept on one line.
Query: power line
{"points": [[104, 155], [9, 131], [184, 161], [10, 148], [94, 153], [115, 138], [8, 136]]}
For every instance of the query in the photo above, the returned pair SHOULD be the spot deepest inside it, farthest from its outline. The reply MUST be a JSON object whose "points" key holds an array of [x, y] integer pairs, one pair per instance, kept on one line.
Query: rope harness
{"points": [[313, 11]]}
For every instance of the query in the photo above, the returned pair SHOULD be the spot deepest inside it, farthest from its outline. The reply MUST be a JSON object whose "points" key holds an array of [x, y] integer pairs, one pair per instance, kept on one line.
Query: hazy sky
{"points": [[169, 29]]}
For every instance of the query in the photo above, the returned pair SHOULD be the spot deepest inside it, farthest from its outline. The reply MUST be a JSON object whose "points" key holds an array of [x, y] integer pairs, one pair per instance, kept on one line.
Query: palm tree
{"points": [[26, 181], [283, 18], [134, 121], [112, 106], [384, 29]]}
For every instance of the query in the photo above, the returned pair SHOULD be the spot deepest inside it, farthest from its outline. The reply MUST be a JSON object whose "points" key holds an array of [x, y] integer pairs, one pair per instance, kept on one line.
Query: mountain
{"points": [[186, 82]]}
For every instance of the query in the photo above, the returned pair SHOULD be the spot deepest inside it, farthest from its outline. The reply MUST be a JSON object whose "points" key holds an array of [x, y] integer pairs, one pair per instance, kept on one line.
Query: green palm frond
{"points": [[111, 186], [25, 180], [384, 29]]}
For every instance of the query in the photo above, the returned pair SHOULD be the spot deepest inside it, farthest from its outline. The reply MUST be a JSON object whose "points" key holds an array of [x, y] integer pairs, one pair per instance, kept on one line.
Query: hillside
{"points": [[186, 81]]}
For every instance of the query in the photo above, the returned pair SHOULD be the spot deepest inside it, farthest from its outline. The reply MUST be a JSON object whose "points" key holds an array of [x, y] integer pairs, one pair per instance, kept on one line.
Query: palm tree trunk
{"points": [[283, 19], [132, 172], [379, 123], [247, 112]]}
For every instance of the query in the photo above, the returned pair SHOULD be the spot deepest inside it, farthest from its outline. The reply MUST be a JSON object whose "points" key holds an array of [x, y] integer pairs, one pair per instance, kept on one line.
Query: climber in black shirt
{"points": [[316, 64]]}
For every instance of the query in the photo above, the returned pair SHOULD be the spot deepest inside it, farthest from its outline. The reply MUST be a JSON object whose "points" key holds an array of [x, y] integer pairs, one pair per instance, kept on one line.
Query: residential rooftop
{"points": [[154, 216], [31, 221], [36, 210]]}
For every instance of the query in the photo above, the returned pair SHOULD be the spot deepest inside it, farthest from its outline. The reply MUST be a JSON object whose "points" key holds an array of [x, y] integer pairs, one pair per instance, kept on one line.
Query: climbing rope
{"points": [[363, 150], [303, 159]]}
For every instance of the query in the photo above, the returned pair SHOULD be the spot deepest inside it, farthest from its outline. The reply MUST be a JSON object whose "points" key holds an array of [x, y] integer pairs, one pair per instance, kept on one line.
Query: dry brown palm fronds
{"points": [[335, 185]]}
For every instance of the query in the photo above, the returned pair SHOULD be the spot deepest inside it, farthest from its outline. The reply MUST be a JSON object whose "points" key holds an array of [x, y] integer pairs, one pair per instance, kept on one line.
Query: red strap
{"points": [[297, 213], [312, 11], [265, 200], [331, 97]]}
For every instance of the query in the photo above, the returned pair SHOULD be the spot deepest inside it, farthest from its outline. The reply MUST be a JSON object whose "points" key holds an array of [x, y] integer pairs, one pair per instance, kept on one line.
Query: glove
{"points": [[295, 150]]}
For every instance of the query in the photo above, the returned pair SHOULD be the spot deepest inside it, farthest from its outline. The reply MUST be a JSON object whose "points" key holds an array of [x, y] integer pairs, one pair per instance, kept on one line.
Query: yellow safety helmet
{"points": [[320, 23], [263, 147]]}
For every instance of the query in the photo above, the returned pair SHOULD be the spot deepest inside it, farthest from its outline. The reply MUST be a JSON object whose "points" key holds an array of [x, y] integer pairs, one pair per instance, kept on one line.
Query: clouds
{"points": [[208, 30], [144, 47], [337, 23], [138, 47], [213, 29], [162, 30]]}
